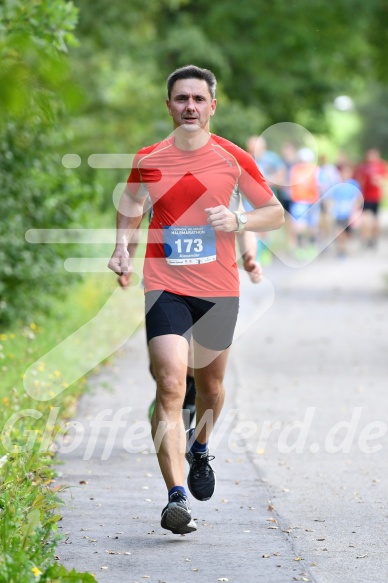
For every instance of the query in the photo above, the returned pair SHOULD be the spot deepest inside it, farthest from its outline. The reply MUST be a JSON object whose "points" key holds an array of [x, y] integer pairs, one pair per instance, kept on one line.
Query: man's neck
{"points": [[187, 140]]}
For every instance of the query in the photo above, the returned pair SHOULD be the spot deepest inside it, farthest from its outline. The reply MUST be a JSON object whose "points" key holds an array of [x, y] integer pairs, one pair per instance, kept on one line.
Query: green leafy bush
{"points": [[29, 514], [36, 191]]}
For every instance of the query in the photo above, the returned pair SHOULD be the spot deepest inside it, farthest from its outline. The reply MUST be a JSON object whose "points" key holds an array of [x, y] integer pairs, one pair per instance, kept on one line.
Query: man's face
{"points": [[191, 105], [372, 155]]}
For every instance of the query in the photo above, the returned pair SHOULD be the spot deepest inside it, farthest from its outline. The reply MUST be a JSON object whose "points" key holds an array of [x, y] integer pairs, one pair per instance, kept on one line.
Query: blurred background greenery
{"points": [[89, 77]]}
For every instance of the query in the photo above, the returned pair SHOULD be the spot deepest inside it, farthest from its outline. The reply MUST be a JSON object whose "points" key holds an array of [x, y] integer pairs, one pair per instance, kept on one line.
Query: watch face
{"points": [[243, 219]]}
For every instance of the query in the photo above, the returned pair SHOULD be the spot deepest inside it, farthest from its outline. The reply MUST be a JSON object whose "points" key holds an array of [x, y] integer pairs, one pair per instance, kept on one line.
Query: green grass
{"points": [[52, 354]]}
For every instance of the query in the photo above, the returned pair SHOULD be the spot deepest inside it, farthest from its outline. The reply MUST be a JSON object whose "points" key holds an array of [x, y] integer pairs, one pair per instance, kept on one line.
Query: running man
{"points": [[247, 244], [190, 273]]}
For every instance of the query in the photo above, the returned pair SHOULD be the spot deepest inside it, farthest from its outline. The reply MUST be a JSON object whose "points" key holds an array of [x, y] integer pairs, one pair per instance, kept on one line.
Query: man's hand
{"points": [[221, 219], [252, 267], [119, 262], [124, 280]]}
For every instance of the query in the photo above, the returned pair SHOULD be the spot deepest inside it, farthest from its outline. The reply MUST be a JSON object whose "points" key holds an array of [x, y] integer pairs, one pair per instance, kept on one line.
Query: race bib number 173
{"points": [[189, 245]]}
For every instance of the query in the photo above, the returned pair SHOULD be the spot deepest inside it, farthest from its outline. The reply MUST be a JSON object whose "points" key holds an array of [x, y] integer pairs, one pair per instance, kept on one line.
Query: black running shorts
{"points": [[371, 206], [210, 321]]}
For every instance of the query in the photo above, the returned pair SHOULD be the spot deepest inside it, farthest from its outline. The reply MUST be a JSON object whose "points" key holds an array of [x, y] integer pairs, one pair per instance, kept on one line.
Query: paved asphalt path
{"points": [[300, 451]]}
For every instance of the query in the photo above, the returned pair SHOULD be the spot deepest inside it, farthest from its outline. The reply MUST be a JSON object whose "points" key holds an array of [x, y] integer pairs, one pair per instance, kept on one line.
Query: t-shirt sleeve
{"points": [[251, 182], [135, 184]]}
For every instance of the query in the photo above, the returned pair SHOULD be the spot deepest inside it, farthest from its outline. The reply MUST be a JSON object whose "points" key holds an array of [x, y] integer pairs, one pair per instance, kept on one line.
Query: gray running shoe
{"points": [[176, 516], [201, 479]]}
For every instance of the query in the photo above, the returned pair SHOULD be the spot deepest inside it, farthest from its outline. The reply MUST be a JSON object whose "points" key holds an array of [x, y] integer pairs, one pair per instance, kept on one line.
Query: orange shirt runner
{"points": [[184, 254]]}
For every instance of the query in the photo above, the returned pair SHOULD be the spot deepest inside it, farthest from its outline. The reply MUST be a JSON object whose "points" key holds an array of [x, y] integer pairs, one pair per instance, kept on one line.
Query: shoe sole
{"points": [[178, 520]]}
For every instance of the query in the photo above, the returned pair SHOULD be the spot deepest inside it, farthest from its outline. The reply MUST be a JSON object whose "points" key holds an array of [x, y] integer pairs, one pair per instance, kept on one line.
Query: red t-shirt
{"points": [[369, 175], [182, 184]]}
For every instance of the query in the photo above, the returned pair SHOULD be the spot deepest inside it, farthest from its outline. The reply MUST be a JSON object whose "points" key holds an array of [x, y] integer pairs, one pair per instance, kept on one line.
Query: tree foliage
{"points": [[285, 61], [36, 191], [281, 57], [373, 110]]}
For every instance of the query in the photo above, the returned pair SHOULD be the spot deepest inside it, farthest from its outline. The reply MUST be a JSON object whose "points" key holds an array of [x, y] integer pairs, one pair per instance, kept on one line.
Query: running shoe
{"points": [[201, 479], [176, 516]]}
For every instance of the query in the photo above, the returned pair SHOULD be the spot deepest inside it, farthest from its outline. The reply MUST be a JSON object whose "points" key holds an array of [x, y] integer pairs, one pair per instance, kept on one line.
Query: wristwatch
{"points": [[241, 221]]}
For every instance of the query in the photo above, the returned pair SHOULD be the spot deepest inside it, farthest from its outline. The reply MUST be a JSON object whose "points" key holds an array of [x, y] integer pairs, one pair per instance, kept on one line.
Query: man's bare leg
{"points": [[209, 376], [167, 425]]}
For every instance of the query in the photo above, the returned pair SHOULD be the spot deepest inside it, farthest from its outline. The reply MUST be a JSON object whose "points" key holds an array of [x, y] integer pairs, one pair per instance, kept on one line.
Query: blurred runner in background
{"points": [[305, 206], [372, 175], [346, 203]]}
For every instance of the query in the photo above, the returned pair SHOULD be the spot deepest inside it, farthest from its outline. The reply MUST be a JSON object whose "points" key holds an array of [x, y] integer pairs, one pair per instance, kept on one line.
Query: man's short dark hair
{"points": [[192, 72]]}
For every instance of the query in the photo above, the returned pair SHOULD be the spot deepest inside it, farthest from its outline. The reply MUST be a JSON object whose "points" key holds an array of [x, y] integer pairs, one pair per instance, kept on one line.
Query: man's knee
{"points": [[170, 390], [210, 392]]}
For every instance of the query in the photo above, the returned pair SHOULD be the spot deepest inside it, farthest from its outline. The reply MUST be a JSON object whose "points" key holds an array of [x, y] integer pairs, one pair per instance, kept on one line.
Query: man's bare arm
{"points": [[266, 218], [247, 243], [129, 215]]}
